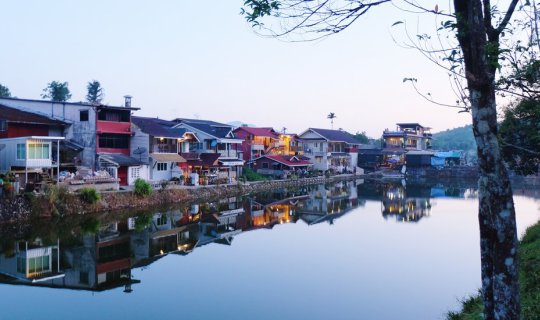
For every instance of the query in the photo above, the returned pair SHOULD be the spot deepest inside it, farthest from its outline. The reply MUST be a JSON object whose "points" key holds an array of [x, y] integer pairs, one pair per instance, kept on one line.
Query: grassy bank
{"points": [[529, 280]]}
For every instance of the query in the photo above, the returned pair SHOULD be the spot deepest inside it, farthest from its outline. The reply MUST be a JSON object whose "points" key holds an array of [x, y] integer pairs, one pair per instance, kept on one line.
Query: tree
{"points": [[4, 91], [95, 92], [520, 136], [56, 91], [362, 137], [478, 52], [331, 116]]}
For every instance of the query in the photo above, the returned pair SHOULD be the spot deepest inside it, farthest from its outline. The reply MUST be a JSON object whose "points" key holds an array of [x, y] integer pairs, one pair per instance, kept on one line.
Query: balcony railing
{"points": [[164, 149]]}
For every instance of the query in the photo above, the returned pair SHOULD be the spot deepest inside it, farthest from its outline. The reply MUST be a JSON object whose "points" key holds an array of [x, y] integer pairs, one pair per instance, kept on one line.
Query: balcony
{"points": [[227, 153], [164, 148], [257, 147], [113, 127]]}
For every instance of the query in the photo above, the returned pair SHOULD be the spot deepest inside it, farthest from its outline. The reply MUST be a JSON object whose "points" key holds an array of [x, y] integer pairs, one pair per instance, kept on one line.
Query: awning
{"points": [[167, 157], [119, 160], [231, 162], [72, 145]]}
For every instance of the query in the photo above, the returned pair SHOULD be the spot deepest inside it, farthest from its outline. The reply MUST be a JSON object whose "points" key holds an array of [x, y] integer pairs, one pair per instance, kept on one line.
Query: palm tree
{"points": [[331, 116]]}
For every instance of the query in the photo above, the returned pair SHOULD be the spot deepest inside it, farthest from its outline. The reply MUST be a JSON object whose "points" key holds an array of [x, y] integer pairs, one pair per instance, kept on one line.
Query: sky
{"points": [[200, 59]]}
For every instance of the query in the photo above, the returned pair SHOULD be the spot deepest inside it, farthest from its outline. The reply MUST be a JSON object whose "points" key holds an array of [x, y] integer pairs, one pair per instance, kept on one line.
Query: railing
{"points": [[257, 147], [164, 149], [228, 153]]}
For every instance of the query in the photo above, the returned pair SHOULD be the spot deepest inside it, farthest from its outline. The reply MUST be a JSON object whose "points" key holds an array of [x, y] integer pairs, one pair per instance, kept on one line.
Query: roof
{"points": [[411, 125], [420, 153], [15, 115], [288, 160], [336, 135], [167, 157], [80, 103], [201, 159], [158, 127], [260, 132], [120, 159], [216, 129]]}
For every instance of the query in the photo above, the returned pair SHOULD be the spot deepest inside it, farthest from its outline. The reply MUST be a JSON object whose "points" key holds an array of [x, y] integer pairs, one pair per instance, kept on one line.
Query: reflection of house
{"points": [[405, 209], [328, 202], [214, 138], [330, 149], [31, 262], [157, 144], [280, 165]]}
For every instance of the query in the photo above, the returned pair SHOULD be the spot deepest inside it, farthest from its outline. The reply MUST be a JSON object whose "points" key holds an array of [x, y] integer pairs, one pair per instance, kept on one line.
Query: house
{"points": [[408, 136], [280, 165], [94, 130], [31, 145], [156, 143], [335, 150], [214, 138], [256, 141]]}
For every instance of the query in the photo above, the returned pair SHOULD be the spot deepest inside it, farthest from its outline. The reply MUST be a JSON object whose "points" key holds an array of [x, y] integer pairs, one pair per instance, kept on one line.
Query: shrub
{"points": [[90, 195], [249, 175], [142, 188], [56, 198], [90, 225]]}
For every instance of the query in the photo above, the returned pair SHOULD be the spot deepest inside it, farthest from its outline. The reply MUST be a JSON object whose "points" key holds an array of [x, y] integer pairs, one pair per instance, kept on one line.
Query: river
{"points": [[350, 250]]}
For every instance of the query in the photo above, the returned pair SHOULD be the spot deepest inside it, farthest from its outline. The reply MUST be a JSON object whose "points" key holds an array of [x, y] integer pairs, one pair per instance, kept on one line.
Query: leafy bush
{"points": [[142, 221], [56, 198], [90, 195], [164, 184], [142, 188], [250, 175]]}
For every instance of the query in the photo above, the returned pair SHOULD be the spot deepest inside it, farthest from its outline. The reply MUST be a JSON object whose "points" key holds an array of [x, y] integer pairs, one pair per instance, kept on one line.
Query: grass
{"points": [[529, 281]]}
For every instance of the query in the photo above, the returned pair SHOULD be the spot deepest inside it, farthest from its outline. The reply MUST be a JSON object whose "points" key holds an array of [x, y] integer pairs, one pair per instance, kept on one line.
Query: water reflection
{"points": [[98, 254]]}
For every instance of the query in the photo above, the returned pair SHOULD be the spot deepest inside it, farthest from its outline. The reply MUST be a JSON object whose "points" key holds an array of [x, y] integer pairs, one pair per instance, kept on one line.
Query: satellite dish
{"points": [[139, 150]]}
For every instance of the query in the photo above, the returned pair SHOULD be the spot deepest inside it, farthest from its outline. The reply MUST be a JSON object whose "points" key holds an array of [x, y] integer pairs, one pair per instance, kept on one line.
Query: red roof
{"points": [[291, 161], [15, 115], [260, 132]]}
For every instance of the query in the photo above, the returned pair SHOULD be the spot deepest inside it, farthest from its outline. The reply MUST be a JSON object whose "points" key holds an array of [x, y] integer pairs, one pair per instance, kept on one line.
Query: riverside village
{"points": [[270, 160]]}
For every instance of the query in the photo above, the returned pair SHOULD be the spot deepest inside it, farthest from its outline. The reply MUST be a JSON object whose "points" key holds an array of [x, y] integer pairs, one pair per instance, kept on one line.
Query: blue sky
{"points": [[201, 59]]}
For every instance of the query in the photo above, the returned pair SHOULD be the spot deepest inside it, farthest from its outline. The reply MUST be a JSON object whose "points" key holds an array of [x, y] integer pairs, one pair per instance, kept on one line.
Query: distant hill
{"points": [[461, 138]]}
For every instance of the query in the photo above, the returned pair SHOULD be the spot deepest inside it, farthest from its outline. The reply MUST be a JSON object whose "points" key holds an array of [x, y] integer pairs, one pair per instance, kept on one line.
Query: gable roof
{"points": [[259, 132], [291, 161], [216, 129], [158, 127], [15, 115], [336, 135]]}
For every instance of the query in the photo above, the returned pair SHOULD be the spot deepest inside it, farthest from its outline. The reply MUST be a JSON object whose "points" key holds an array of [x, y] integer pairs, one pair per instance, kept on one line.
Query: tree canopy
{"points": [[4, 91], [56, 91], [520, 136], [94, 92]]}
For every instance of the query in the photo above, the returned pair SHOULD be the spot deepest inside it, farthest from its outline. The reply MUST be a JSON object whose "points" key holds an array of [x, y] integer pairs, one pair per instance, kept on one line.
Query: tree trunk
{"points": [[496, 213]]}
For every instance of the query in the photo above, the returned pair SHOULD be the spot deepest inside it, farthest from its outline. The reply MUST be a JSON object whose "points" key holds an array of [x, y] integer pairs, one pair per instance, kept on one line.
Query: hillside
{"points": [[456, 139]]}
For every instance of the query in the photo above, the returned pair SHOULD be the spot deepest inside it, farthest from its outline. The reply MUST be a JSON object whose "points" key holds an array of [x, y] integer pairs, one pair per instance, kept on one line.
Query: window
{"points": [[38, 151], [265, 165], [21, 151], [114, 115], [114, 141], [3, 125], [135, 172], [162, 166], [83, 115], [161, 220], [38, 264]]}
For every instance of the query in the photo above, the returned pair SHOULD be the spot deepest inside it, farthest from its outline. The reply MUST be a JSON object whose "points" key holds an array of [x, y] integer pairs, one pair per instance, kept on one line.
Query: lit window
{"points": [[135, 172], [21, 151]]}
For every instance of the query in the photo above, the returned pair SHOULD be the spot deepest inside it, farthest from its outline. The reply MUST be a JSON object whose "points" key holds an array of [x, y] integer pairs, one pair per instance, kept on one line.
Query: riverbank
{"points": [[61, 202], [529, 280]]}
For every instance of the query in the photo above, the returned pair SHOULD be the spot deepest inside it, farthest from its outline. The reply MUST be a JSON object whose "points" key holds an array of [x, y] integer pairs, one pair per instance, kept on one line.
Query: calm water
{"points": [[344, 251]]}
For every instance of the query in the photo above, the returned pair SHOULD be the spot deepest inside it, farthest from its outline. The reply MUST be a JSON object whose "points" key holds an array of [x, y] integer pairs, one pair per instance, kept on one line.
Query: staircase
{"points": [[46, 179]]}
